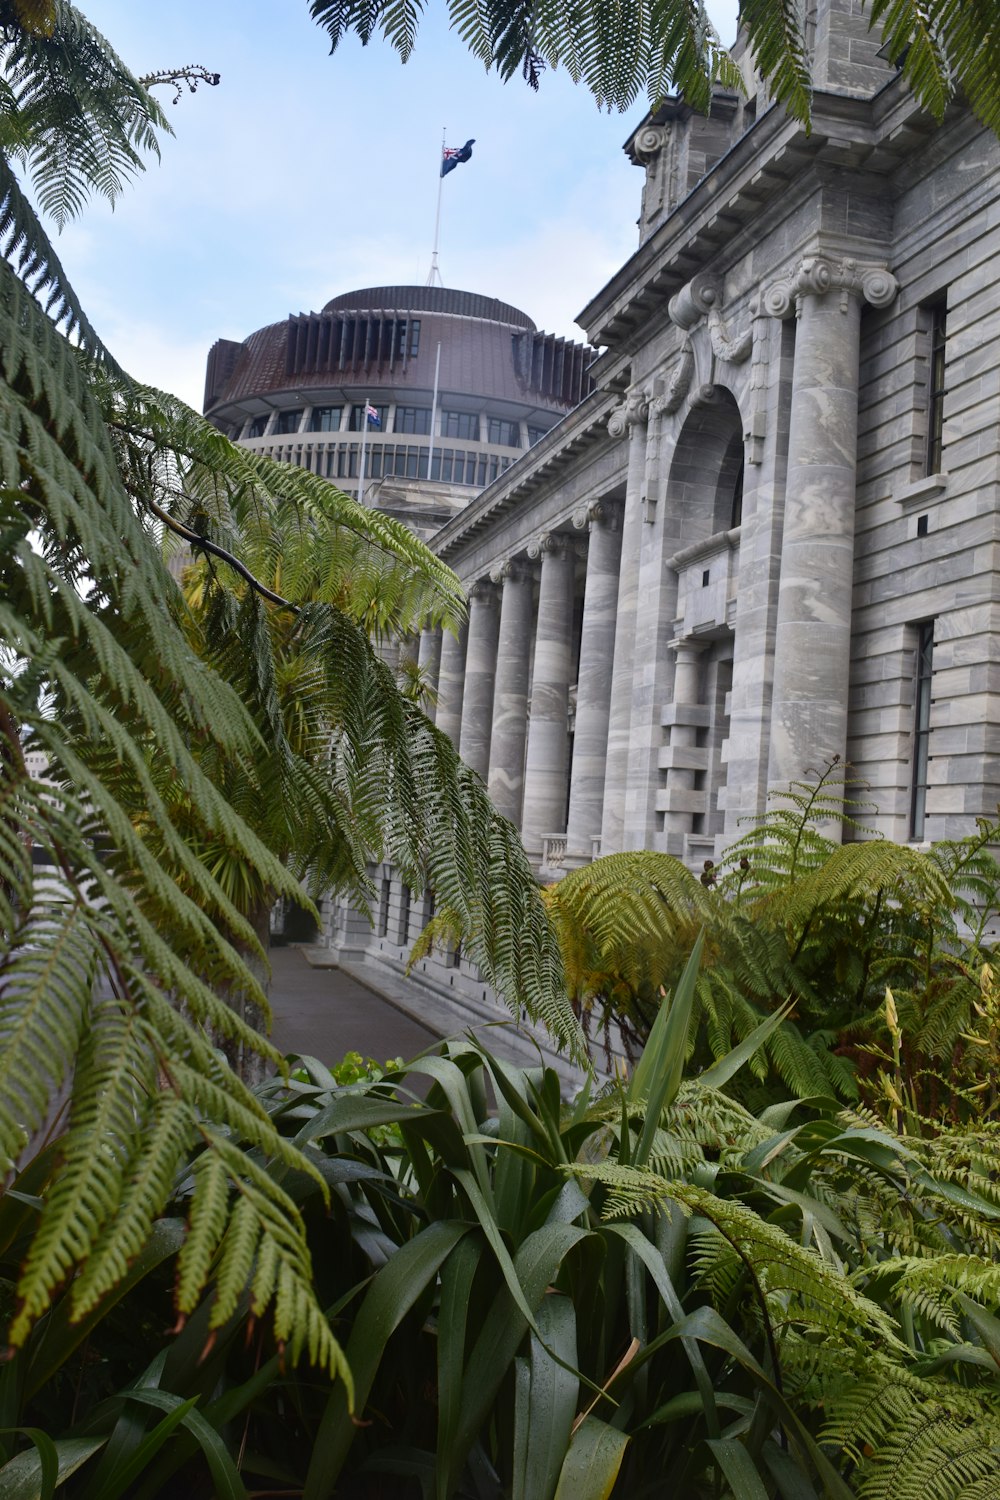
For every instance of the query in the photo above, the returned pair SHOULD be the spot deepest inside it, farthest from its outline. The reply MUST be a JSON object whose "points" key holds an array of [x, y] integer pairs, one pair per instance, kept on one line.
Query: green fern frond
{"points": [[74, 113]]}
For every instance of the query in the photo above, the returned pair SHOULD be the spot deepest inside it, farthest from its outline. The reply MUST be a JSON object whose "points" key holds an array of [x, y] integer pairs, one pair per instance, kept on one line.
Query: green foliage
{"points": [[542, 1300], [617, 51], [198, 756], [792, 918], [620, 52]]}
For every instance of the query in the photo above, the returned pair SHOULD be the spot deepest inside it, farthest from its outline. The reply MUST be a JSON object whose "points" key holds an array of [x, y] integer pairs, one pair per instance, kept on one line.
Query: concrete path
{"points": [[324, 1013]]}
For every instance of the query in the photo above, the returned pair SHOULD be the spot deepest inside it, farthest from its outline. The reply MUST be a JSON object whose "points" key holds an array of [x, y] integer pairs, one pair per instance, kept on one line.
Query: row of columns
{"points": [[503, 692], [510, 656]]}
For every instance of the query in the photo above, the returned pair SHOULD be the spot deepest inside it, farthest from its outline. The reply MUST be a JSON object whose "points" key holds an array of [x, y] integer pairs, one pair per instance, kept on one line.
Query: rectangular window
{"points": [[257, 427], [412, 419], [288, 421], [460, 424], [535, 434], [383, 909], [921, 728], [325, 419], [414, 337], [404, 915], [936, 387], [507, 434]]}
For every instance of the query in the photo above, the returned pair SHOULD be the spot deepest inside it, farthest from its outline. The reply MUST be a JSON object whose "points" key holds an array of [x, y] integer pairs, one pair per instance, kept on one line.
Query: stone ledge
{"points": [[927, 490]]}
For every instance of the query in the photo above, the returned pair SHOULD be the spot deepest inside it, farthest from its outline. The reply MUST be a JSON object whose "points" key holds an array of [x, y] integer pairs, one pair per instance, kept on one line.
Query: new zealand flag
{"points": [[453, 155]]}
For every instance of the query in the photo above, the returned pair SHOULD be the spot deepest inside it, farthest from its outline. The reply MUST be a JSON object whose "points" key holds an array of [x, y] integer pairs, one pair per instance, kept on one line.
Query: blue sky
{"points": [[303, 175]]}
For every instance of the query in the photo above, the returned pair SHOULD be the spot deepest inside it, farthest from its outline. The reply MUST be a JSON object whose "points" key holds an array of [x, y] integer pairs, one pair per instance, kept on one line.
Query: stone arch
{"points": [[705, 480]]}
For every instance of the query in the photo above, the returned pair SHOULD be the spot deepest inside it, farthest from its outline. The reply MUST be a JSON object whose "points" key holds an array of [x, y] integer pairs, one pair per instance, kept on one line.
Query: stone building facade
{"points": [[769, 535]]}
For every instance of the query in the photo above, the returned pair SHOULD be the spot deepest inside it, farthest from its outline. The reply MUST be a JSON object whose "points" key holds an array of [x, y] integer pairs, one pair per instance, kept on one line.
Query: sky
{"points": [[304, 175]]}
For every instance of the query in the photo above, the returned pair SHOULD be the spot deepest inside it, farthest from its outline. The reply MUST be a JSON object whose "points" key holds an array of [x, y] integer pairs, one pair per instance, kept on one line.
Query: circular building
{"points": [[454, 385]]}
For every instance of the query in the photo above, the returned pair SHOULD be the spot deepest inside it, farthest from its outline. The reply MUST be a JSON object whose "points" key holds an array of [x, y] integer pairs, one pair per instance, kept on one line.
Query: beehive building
{"points": [[298, 391]]}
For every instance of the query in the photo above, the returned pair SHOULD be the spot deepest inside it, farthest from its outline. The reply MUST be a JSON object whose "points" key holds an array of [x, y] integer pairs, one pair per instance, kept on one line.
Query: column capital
{"points": [[515, 569], [631, 411], [687, 648], [483, 591], [650, 140], [551, 542], [816, 275], [597, 513]]}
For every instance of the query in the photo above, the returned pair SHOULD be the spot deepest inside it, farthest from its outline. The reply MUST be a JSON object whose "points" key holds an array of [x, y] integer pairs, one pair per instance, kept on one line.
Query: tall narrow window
{"points": [[936, 389], [921, 728]]}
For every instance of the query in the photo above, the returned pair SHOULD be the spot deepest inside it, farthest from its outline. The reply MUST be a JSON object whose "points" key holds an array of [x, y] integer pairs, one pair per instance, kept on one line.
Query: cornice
{"points": [[865, 135]]}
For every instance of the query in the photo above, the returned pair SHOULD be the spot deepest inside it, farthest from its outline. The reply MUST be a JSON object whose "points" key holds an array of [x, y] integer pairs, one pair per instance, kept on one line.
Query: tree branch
{"points": [[196, 540]]}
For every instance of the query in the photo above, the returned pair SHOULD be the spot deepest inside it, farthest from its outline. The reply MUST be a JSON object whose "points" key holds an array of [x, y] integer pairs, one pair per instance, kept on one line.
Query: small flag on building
{"points": [[373, 415], [452, 155]]}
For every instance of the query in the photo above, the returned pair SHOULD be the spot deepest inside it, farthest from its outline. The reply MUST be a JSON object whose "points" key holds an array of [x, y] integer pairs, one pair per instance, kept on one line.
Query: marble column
{"points": [[510, 697], [593, 689], [451, 683], [480, 674], [547, 763], [813, 634], [429, 666], [629, 418]]}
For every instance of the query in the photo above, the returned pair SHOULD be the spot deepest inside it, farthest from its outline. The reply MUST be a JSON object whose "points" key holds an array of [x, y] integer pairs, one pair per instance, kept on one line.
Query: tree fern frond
{"points": [[75, 113]]}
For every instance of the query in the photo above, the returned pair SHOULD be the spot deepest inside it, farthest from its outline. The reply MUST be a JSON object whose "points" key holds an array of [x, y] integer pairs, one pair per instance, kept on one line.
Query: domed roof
{"points": [[431, 299]]}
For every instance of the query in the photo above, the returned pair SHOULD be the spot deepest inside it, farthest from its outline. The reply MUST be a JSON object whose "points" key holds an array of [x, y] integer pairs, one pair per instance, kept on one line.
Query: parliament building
{"points": [[764, 530]]}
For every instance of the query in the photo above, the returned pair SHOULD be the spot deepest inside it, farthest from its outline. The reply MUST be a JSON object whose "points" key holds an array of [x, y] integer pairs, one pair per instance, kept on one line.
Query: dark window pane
{"points": [[506, 433], [460, 424], [325, 419], [288, 421], [936, 388], [415, 419], [921, 728], [257, 427]]}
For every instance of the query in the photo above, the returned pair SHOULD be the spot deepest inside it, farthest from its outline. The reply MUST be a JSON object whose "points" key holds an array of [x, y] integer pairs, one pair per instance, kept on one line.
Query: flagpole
{"points": [[434, 403], [434, 275], [364, 439]]}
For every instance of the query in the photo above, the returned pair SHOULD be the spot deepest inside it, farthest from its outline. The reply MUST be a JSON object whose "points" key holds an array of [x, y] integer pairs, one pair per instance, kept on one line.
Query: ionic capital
{"points": [[650, 140], [512, 570], [632, 411], [483, 592], [551, 543], [816, 275], [597, 513]]}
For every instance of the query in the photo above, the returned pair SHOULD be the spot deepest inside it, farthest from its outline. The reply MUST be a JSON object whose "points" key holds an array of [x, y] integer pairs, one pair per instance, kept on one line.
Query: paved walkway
{"points": [[324, 1013]]}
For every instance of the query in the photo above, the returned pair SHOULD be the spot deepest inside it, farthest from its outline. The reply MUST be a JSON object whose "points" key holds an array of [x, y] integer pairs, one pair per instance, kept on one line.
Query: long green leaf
{"points": [[545, 1421], [738, 1467], [401, 1281], [660, 1069], [593, 1462], [29, 1475], [719, 1074]]}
